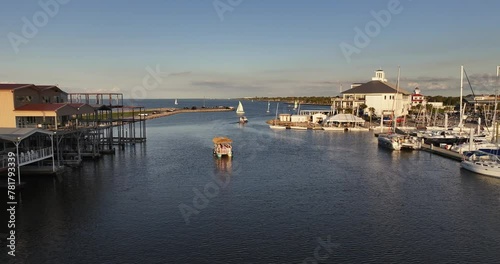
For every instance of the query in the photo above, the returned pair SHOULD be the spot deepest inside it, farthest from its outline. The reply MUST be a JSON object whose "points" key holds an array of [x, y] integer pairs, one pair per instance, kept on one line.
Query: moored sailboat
{"points": [[240, 110], [274, 125], [482, 163], [391, 141]]}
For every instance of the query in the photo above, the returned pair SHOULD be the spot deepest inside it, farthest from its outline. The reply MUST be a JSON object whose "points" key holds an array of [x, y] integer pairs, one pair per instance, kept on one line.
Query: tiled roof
{"points": [[375, 87]]}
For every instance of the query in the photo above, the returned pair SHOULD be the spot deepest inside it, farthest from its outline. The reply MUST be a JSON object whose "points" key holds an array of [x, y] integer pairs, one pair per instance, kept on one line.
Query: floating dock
{"points": [[442, 152]]}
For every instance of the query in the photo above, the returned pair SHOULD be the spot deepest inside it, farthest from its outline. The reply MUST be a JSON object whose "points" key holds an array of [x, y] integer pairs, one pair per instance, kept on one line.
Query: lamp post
{"points": [[18, 161], [52, 147], [496, 104]]}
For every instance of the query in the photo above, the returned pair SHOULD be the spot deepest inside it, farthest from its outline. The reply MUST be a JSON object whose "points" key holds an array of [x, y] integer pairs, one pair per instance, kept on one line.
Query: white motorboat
{"points": [[358, 128], [277, 127], [298, 127], [482, 163], [243, 120], [334, 128]]}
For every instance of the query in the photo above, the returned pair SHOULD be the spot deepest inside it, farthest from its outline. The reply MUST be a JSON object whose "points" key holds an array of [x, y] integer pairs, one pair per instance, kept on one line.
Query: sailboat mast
{"points": [[277, 107], [394, 116], [461, 93]]}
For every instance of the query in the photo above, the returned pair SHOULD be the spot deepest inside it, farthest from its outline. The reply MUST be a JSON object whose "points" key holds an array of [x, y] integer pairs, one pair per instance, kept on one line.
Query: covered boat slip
{"points": [[30, 145], [222, 146], [343, 121]]}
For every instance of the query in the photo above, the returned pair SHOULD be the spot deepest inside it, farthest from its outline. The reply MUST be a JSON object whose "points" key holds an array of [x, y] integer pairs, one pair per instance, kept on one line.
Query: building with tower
{"points": [[378, 93]]}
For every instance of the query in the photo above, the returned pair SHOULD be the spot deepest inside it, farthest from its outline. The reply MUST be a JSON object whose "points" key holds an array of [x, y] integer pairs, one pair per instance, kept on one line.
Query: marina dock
{"points": [[442, 152]]}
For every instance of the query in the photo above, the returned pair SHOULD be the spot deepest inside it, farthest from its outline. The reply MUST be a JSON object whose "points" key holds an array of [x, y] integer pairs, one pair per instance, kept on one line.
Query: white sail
{"points": [[296, 105], [268, 105], [240, 110], [175, 102]]}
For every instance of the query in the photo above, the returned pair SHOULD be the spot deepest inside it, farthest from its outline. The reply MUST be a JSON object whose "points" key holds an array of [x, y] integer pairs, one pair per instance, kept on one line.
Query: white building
{"points": [[417, 98], [379, 94]]}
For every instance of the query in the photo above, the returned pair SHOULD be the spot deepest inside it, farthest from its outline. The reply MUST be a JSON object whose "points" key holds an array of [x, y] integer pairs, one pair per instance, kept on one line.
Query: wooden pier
{"points": [[442, 152]]}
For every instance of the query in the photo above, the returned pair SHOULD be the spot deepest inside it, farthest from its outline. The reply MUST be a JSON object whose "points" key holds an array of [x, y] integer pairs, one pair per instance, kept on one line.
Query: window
{"points": [[24, 98]]}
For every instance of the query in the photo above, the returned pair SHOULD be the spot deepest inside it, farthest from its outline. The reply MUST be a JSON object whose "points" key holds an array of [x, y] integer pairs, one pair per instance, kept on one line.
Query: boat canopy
{"points": [[222, 140], [344, 118], [18, 134]]}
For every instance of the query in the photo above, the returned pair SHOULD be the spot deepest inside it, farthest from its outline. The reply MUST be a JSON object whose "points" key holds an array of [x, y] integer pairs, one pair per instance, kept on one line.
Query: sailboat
{"points": [[268, 105], [274, 126], [296, 105], [240, 110], [175, 103]]}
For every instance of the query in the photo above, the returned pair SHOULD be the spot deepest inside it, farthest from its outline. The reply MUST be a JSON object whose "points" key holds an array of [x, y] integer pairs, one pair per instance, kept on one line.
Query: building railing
{"points": [[4, 161], [34, 155]]}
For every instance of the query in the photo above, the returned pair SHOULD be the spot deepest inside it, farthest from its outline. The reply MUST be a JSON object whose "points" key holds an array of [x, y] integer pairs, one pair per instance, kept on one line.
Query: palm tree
{"points": [[363, 107], [372, 111]]}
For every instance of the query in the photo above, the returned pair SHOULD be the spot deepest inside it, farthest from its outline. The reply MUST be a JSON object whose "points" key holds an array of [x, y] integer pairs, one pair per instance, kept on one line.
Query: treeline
{"points": [[447, 100], [323, 100]]}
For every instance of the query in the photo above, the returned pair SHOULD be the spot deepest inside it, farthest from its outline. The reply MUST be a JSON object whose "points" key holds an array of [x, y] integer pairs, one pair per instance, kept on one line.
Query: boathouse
{"points": [[34, 149]]}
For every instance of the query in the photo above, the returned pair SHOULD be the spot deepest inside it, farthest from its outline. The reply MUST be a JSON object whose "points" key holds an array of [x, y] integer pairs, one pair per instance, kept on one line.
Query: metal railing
{"points": [[34, 155], [4, 161]]}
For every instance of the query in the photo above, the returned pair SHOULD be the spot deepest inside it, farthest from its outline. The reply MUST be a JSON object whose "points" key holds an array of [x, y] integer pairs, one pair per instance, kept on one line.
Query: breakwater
{"points": [[153, 113]]}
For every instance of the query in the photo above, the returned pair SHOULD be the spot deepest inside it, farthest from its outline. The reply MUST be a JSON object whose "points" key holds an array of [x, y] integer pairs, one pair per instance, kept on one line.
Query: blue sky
{"points": [[256, 48]]}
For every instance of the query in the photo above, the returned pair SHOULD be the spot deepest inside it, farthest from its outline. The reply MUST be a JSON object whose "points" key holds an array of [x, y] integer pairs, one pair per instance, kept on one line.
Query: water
{"points": [[281, 192]]}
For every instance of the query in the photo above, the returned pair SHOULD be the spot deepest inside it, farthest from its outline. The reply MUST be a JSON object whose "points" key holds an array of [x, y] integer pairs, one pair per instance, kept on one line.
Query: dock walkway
{"points": [[442, 152]]}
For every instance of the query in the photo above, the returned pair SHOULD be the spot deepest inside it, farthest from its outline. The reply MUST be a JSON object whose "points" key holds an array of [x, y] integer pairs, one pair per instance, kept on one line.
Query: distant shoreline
{"points": [[153, 113]]}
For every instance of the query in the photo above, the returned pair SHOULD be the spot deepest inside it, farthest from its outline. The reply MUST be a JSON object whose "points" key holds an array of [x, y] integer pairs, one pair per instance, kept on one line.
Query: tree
{"points": [[363, 107], [371, 110], [428, 107]]}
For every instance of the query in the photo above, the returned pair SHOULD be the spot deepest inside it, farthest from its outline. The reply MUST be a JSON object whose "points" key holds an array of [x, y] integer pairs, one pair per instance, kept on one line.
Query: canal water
{"points": [[285, 197]]}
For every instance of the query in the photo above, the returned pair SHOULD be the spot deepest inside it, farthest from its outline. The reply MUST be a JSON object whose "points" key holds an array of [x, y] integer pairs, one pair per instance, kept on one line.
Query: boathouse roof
{"points": [[14, 86], [42, 88], [49, 109], [375, 87], [15, 134]]}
